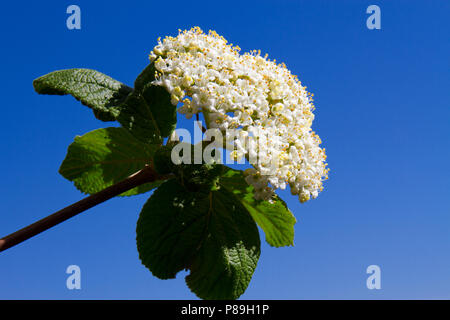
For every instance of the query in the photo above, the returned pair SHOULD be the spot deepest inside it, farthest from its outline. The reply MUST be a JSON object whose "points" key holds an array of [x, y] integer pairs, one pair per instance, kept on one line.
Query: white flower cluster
{"points": [[254, 95]]}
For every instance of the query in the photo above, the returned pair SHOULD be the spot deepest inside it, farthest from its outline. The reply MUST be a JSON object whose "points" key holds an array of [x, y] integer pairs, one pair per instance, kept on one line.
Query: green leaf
{"points": [[103, 157], [227, 259], [148, 114], [145, 77], [162, 161], [192, 176], [96, 90], [275, 219], [209, 232]]}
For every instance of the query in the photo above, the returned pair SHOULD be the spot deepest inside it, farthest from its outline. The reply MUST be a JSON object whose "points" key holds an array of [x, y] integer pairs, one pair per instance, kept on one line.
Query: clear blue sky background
{"points": [[383, 113]]}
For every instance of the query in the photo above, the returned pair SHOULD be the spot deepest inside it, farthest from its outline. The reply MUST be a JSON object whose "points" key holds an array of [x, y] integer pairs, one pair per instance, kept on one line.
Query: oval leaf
{"points": [[209, 232], [103, 157], [274, 218], [148, 114], [101, 93]]}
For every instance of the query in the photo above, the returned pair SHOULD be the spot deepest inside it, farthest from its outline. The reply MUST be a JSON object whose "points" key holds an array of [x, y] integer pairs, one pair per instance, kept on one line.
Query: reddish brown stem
{"points": [[143, 176]]}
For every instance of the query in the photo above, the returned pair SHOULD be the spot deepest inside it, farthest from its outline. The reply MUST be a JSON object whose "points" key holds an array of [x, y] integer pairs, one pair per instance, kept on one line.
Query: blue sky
{"points": [[383, 113]]}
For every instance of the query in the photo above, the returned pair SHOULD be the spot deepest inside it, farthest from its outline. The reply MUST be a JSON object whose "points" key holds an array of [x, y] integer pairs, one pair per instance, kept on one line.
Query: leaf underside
{"points": [[274, 218], [103, 157], [209, 232]]}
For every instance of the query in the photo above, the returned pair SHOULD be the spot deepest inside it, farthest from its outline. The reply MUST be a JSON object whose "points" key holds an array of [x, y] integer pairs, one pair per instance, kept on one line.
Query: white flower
{"points": [[256, 95]]}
